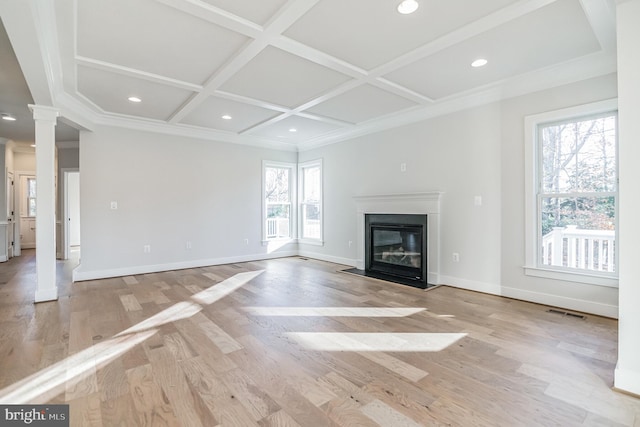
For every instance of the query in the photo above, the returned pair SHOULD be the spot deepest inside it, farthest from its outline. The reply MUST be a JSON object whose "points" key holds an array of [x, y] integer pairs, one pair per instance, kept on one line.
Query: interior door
{"points": [[27, 211], [10, 214]]}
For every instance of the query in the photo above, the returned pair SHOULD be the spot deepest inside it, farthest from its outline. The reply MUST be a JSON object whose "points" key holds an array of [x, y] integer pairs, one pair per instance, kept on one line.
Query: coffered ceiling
{"points": [[301, 73]]}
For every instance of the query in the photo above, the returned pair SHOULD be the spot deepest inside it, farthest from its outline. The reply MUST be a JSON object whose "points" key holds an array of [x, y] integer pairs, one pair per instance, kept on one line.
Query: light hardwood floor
{"points": [[294, 342]]}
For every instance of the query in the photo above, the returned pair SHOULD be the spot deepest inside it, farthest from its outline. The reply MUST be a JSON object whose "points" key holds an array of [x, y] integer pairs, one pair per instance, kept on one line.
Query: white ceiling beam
{"points": [[138, 74], [602, 17], [27, 33], [285, 17], [215, 15]]}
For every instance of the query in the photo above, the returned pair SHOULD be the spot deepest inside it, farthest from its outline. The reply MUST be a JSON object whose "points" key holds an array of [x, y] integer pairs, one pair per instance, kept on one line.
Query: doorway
{"points": [[10, 215], [71, 212]]}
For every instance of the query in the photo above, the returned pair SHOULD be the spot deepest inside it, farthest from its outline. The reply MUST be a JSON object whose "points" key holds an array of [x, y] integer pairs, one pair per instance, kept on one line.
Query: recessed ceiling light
{"points": [[408, 6], [8, 118], [134, 99], [227, 117], [293, 130], [481, 62]]}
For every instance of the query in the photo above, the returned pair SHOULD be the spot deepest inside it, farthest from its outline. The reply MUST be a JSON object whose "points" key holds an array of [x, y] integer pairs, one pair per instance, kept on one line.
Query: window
{"points": [[278, 182], [574, 192], [31, 197], [310, 189]]}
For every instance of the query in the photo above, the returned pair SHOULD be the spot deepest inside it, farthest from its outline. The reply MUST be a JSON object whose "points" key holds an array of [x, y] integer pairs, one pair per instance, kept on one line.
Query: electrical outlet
{"points": [[188, 245], [114, 205], [246, 241], [403, 167], [477, 200], [456, 257], [350, 243], [147, 249]]}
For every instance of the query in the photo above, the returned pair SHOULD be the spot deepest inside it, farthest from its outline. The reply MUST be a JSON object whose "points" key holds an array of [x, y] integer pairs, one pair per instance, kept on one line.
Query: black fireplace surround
{"points": [[396, 246]]}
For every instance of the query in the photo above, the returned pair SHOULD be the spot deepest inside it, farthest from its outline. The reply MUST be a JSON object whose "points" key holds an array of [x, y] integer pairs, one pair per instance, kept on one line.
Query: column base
{"points": [[46, 295], [627, 381]]}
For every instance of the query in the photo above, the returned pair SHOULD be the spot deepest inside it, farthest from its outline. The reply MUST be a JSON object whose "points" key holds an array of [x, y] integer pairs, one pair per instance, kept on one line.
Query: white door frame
{"points": [[66, 240], [17, 177], [11, 214]]}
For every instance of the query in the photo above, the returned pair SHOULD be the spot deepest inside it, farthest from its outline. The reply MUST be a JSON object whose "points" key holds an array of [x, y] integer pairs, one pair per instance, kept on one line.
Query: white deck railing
{"points": [[277, 227], [585, 249]]}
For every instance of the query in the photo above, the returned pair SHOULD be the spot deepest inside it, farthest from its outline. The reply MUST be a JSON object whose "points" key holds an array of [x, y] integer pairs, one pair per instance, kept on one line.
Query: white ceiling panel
{"points": [[332, 69], [284, 79], [110, 91], [305, 129], [369, 33], [151, 37], [555, 33], [363, 103], [256, 11], [243, 116]]}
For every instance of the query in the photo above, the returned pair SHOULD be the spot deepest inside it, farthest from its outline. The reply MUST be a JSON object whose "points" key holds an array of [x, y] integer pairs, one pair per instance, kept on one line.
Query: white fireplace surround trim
{"points": [[426, 203]]}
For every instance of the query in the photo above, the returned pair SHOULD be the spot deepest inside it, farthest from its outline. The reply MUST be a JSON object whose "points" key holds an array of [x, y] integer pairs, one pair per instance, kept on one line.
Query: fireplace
{"points": [[396, 246], [425, 205]]}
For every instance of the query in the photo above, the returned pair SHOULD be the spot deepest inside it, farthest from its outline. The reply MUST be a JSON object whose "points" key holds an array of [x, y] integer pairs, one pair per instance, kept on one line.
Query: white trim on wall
{"points": [[531, 160], [80, 275]]}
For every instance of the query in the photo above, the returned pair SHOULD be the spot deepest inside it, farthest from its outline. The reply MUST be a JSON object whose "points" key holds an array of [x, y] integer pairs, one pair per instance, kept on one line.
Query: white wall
{"points": [[477, 152], [576, 296], [169, 190], [458, 154], [24, 162]]}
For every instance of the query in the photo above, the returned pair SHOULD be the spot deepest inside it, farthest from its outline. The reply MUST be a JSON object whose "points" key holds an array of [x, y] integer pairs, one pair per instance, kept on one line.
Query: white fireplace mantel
{"points": [[427, 203]]}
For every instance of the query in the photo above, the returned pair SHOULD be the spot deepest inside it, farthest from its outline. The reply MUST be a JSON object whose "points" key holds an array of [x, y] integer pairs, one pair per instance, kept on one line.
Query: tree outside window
{"points": [[577, 193], [277, 187]]}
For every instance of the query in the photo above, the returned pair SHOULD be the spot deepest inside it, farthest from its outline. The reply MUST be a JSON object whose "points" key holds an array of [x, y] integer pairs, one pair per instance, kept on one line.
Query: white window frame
{"points": [[533, 266], [310, 164], [292, 200]]}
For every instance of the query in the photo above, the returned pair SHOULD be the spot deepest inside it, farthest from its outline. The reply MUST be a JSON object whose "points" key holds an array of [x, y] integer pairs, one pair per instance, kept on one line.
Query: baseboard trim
{"points": [[80, 275], [575, 304], [322, 257], [606, 310], [46, 295], [472, 285]]}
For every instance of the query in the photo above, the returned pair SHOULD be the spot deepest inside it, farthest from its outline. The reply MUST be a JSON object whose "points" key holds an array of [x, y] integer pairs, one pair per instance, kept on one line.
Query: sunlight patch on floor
{"points": [[181, 310], [224, 288], [334, 311], [49, 382], [378, 341]]}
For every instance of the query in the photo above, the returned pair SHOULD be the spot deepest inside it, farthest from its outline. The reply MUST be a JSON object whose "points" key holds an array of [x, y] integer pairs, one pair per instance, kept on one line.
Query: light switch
{"points": [[477, 200]]}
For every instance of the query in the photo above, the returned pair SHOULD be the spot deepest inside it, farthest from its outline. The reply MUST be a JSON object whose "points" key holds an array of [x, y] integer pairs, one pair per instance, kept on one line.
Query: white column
{"points": [[627, 375], [45, 122]]}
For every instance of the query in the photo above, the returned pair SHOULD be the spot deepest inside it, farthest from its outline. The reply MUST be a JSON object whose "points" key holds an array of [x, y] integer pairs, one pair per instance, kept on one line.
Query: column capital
{"points": [[44, 113]]}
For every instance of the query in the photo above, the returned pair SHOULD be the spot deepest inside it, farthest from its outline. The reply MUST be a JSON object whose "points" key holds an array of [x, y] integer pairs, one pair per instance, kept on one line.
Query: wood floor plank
{"points": [[231, 361], [151, 403]]}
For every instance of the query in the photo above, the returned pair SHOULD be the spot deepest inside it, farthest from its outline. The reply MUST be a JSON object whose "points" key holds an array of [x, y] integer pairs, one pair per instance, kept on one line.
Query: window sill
{"points": [[586, 278]]}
